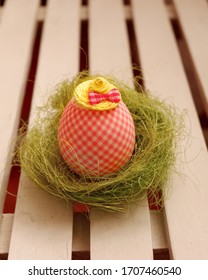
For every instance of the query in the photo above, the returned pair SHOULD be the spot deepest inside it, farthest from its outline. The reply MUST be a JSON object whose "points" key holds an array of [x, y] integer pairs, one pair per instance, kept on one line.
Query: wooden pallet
{"points": [[42, 44]]}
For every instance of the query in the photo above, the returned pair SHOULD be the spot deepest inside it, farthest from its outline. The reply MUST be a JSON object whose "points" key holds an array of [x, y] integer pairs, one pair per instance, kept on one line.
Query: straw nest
{"points": [[157, 128]]}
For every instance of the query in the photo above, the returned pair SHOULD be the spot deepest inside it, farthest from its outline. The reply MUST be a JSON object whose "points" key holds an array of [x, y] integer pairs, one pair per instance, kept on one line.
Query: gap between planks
{"points": [[193, 19], [115, 235], [165, 75], [41, 213], [81, 233]]}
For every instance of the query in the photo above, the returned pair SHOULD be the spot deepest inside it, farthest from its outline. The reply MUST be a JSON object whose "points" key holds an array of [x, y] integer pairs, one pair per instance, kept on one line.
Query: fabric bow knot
{"points": [[112, 96]]}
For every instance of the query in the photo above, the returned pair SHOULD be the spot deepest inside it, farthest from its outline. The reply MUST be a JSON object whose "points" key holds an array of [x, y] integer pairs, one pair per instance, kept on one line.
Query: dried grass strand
{"points": [[158, 129]]}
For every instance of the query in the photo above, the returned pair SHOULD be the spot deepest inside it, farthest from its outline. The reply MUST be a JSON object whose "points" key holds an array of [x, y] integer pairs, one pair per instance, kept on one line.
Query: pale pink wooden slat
{"points": [[109, 46], [193, 16], [5, 232], [115, 235], [42, 223], [159, 239], [17, 30], [1, 12], [186, 209]]}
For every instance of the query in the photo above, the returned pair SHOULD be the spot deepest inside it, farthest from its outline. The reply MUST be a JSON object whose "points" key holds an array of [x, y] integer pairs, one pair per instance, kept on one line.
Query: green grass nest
{"points": [[157, 127]]}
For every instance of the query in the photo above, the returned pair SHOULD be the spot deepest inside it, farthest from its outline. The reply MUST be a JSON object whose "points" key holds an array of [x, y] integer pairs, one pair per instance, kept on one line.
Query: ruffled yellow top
{"points": [[99, 85]]}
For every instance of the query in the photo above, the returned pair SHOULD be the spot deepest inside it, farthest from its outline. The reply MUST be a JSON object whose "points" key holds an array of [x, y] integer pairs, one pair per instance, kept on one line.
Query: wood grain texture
{"points": [[115, 235], [186, 209], [43, 224]]}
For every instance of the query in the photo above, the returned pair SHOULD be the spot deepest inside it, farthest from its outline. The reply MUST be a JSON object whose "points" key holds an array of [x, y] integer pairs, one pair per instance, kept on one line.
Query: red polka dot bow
{"points": [[112, 96]]}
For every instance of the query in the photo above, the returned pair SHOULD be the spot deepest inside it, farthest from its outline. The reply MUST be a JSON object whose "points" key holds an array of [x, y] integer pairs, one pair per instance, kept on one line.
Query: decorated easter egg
{"points": [[96, 133]]}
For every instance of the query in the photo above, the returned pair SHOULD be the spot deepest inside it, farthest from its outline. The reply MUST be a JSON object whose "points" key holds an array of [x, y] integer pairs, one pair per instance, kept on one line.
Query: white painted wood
{"points": [[115, 235], [85, 15], [120, 236], [5, 232], [41, 13], [159, 240], [171, 11], [43, 224], [60, 47], [1, 12], [109, 47], [17, 28], [186, 209], [193, 16]]}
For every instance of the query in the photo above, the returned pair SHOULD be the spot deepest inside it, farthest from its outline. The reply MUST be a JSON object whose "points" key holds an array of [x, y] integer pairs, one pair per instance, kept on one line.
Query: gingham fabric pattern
{"points": [[96, 143], [112, 96]]}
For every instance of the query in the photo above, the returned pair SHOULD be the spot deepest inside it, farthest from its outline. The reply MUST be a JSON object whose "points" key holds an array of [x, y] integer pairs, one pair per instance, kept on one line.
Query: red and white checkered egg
{"points": [[96, 143]]}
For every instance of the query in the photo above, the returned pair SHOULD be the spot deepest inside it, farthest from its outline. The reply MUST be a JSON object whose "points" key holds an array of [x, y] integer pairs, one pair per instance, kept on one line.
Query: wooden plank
{"points": [[115, 235], [121, 235], [186, 208], [1, 12], [17, 28], [43, 224], [5, 232], [85, 16], [193, 16], [159, 240], [60, 47], [109, 47]]}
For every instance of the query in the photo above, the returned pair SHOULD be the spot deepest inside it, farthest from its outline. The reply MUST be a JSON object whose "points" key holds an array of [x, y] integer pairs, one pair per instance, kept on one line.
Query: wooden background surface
{"points": [[42, 43]]}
